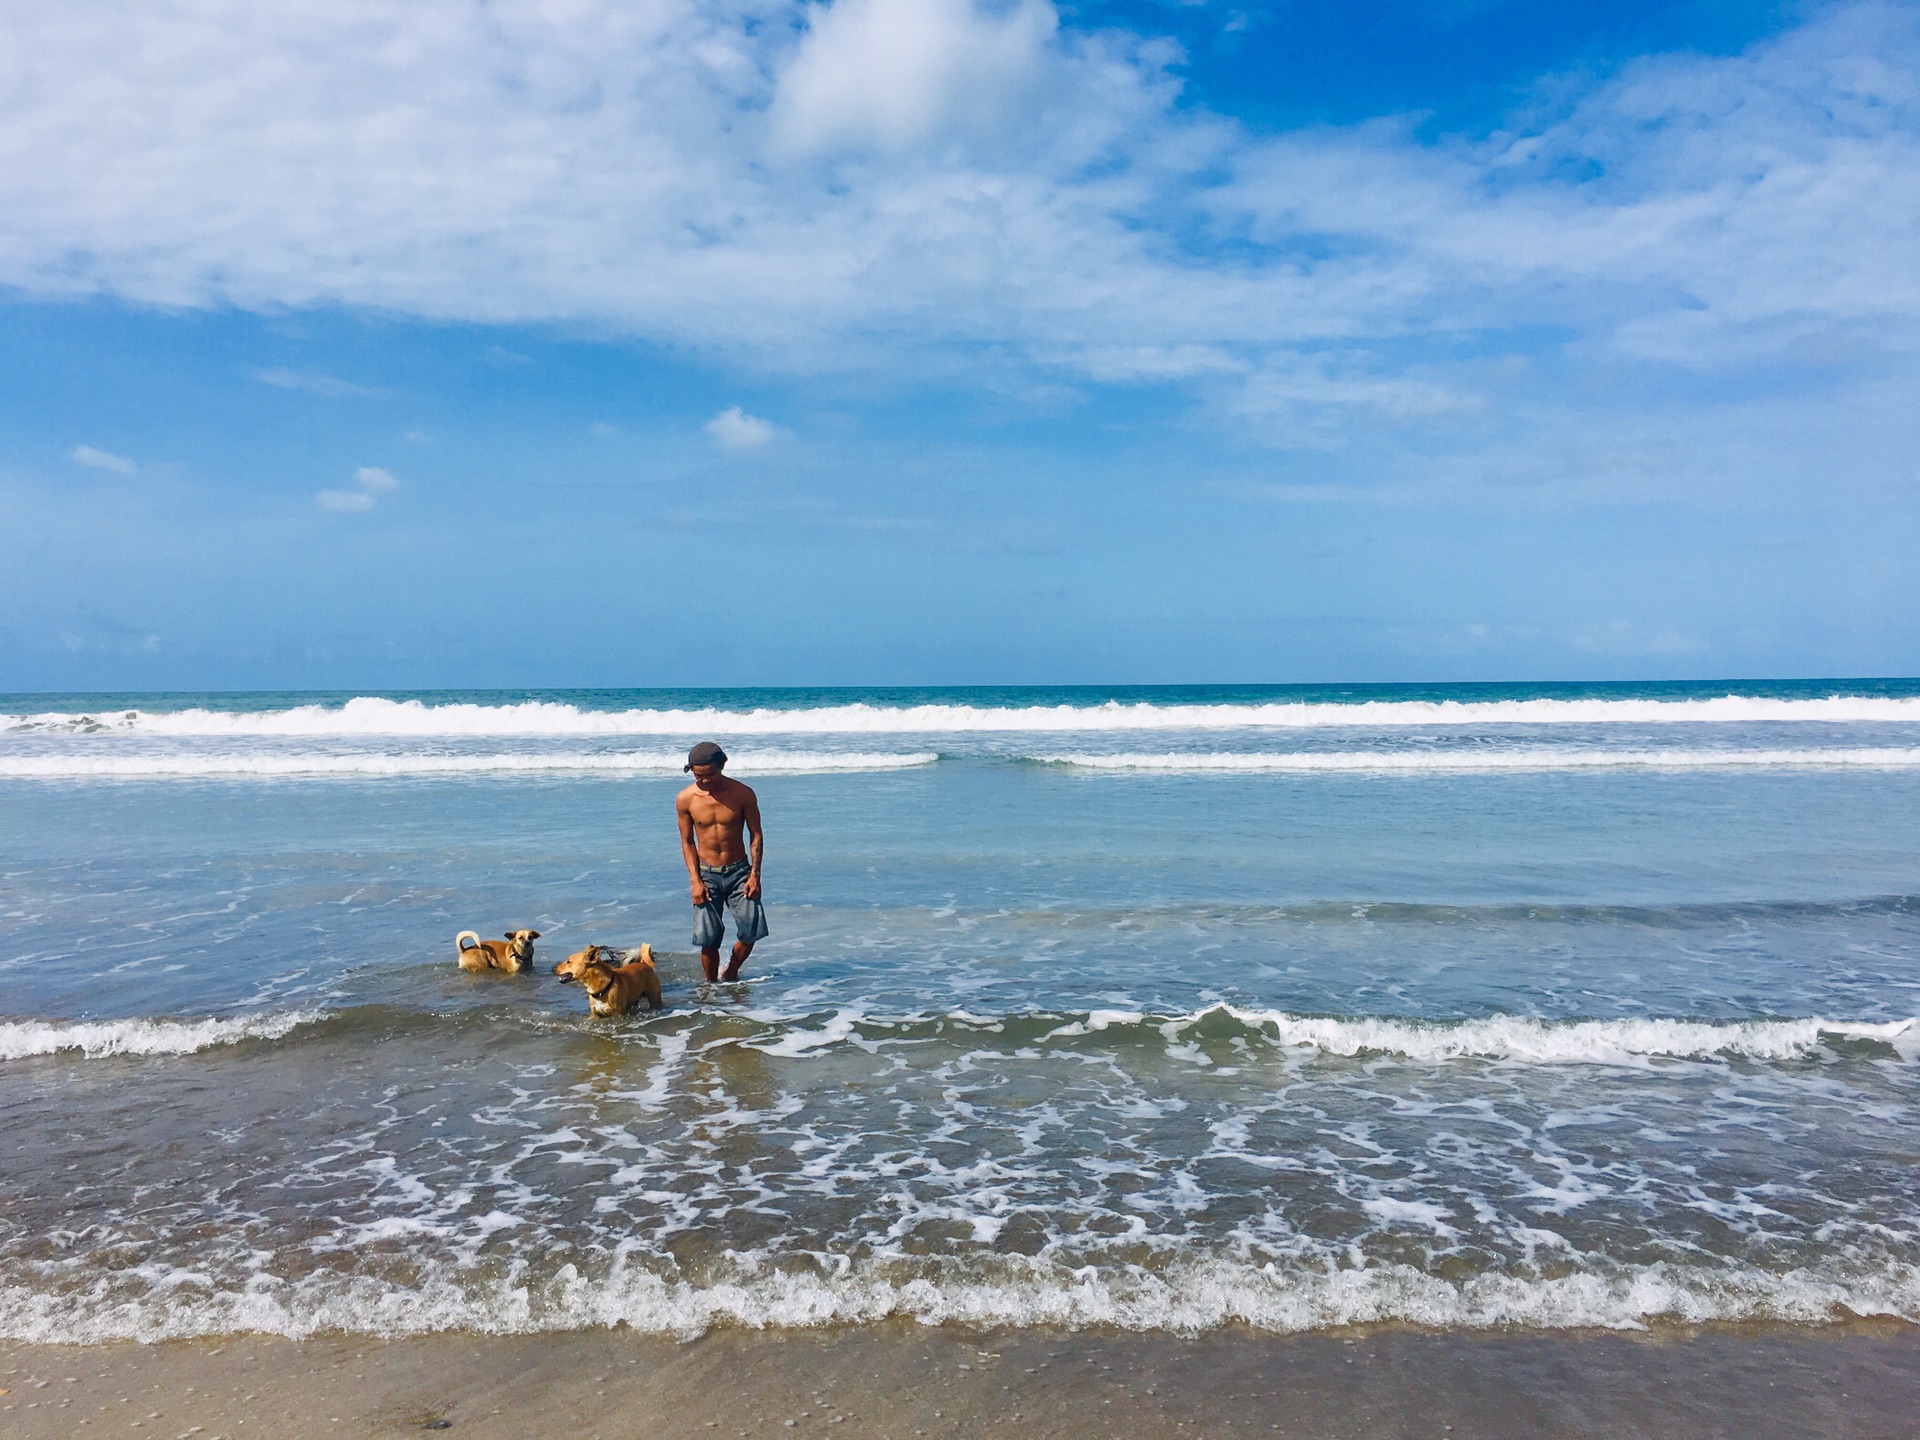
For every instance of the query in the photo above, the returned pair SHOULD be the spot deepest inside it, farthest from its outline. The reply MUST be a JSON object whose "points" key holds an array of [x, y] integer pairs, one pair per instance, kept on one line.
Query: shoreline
{"points": [[902, 1381]]}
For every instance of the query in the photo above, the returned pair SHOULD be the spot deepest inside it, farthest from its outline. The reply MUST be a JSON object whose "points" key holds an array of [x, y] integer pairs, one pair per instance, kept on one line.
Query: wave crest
{"points": [[1516, 1038], [1011, 1292], [1562, 1042], [307, 766], [97, 1039], [373, 715]]}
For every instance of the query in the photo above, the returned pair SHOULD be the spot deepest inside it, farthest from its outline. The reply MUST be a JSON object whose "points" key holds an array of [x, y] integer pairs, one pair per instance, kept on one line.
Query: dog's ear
{"points": [[507, 933], [533, 934]]}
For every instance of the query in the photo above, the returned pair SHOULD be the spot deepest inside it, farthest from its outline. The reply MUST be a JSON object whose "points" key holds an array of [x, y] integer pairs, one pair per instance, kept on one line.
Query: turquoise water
{"points": [[1166, 1008]]}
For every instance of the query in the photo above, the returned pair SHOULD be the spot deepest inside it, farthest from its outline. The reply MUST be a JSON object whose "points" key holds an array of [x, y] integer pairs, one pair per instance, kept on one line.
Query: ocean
{"points": [[1292, 1008]]}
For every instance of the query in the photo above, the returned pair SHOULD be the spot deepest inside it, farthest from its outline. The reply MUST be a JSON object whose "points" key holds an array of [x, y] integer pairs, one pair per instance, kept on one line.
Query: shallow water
{"points": [[1475, 1006]]}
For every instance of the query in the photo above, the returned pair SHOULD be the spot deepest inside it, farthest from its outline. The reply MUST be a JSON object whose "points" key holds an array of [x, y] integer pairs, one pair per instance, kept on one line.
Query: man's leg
{"points": [[741, 949], [708, 931]]}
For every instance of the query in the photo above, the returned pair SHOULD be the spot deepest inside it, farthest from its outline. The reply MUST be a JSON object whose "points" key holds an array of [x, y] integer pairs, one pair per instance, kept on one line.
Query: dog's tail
{"points": [[460, 940], [646, 952]]}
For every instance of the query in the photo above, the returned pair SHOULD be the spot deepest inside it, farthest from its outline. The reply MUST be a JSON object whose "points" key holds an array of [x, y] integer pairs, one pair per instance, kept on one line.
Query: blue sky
{"points": [[927, 341]]}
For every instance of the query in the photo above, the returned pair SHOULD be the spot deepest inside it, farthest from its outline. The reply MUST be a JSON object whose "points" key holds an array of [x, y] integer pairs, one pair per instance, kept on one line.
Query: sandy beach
{"points": [[919, 1383]]}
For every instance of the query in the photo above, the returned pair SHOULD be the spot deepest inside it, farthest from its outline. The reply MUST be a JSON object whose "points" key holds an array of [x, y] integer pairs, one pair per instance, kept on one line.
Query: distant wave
{"points": [[1543, 758], [267, 764], [1004, 1292], [373, 715], [20, 1039], [188, 766]]}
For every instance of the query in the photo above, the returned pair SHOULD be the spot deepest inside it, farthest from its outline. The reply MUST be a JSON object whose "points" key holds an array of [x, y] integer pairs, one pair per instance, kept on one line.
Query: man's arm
{"points": [[689, 849], [757, 848]]}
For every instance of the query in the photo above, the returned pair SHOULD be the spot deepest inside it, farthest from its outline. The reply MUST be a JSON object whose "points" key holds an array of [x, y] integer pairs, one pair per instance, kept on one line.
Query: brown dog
{"points": [[513, 955], [612, 989]]}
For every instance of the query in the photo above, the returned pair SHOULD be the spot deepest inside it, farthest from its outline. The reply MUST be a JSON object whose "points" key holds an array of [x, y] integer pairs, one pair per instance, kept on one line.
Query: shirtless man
{"points": [[713, 812]]}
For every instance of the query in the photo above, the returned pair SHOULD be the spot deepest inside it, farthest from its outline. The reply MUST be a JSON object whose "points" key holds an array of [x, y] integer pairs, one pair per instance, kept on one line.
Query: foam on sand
{"points": [[1185, 1297]]}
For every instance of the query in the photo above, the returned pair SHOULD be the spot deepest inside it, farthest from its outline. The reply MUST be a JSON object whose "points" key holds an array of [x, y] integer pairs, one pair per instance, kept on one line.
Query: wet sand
{"points": [[911, 1383]]}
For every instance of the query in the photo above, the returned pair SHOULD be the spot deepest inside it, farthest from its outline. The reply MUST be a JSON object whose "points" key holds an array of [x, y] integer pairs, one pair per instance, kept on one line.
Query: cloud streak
{"points": [[103, 460], [325, 385]]}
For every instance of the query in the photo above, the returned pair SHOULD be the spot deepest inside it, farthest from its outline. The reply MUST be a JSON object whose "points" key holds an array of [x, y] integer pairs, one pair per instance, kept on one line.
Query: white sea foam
{"points": [[1455, 761], [1516, 1038], [801, 1041], [20, 1039], [268, 765], [1549, 1042], [375, 715], [1095, 1021], [1186, 1298]]}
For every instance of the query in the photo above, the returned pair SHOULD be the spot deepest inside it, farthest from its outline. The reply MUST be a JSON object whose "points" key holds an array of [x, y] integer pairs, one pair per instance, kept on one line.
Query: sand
{"points": [[912, 1383]]}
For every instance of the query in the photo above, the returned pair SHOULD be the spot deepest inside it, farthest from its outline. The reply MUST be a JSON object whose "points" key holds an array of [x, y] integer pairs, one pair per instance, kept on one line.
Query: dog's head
{"points": [[520, 948], [578, 963]]}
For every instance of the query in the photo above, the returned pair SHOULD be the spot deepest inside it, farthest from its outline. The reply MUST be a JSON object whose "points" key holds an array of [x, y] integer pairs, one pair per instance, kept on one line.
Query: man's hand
{"points": [[699, 892], [753, 886]]}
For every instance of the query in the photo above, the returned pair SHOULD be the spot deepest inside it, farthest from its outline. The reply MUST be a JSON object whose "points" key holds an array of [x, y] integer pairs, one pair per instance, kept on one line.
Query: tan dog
{"points": [[513, 955], [612, 989]]}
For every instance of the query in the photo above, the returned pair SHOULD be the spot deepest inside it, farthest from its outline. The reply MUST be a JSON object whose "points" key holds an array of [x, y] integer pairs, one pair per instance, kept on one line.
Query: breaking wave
{"points": [[1511, 1038], [1185, 1297], [1516, 1038], [1551, 1042], [180, 766], [96, 1039], [374, 715]]}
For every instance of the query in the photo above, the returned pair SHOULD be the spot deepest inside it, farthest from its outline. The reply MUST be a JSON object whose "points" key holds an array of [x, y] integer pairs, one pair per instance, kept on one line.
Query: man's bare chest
{"points": [[708, 813]]}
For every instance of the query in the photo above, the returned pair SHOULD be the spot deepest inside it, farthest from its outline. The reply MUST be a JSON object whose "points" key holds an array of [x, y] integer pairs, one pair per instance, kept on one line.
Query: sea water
{"points": [[1158, 1008]]}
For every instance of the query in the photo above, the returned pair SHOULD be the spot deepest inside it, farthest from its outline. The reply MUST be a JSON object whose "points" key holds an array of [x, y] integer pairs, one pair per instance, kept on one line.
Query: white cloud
{"points": [[738, 431], [887, 74], [969, 189], [327, 385], [373, 482], [103, 460]]}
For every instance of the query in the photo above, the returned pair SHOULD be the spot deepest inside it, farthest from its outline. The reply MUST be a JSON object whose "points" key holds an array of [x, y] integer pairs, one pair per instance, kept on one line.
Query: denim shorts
{"points": [[728, 886]]}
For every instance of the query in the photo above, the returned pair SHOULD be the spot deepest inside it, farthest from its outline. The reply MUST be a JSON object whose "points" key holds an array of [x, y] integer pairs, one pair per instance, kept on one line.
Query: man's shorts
{"points": [[728, 886]]}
